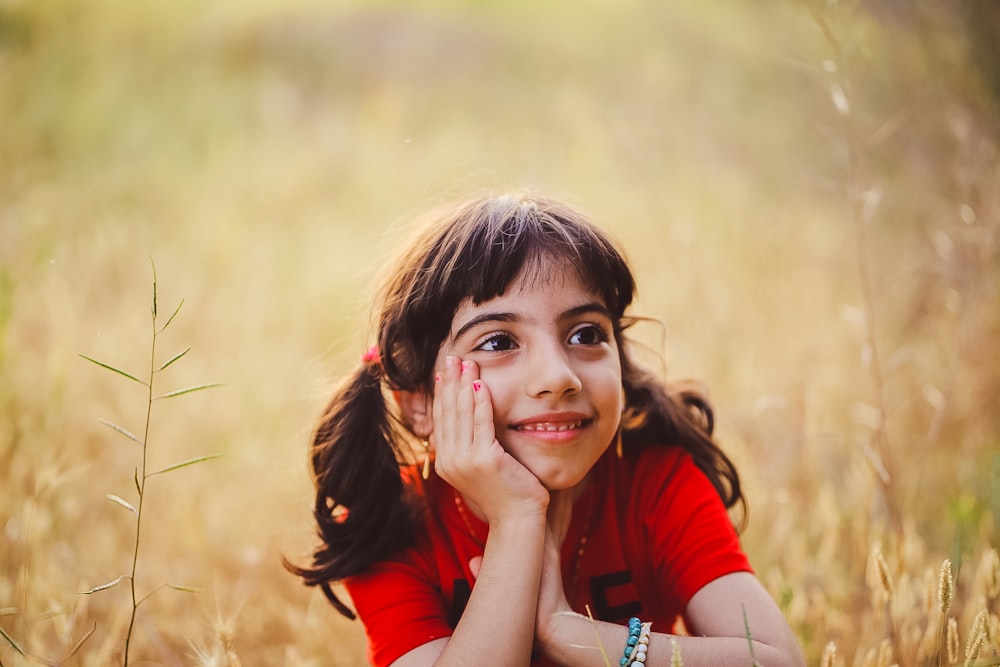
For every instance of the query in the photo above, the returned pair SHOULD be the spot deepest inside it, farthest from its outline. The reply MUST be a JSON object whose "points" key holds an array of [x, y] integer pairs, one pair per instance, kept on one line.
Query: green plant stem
{"points": [[142, 484]]}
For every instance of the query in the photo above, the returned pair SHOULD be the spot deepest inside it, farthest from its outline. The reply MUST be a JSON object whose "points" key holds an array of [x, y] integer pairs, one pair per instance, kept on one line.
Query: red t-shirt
{"points": [[646, 535]]}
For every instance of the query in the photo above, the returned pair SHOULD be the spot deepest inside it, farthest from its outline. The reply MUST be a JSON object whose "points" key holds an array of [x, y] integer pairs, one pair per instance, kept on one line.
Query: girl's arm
{"points": [[733, 617], [733, 620], [498, 624]]}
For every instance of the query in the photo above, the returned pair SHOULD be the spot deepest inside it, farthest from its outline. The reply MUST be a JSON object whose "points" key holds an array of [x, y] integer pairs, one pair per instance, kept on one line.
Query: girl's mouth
{"points": [[551, 427]]}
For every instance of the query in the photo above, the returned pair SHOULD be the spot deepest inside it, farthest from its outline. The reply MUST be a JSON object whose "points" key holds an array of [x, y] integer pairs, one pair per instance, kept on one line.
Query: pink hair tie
{"points": [[371, 355]]}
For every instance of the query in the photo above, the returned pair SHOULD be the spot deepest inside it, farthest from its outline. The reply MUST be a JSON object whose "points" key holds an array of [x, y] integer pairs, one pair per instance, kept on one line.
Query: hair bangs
{"points": [[534, 242]]}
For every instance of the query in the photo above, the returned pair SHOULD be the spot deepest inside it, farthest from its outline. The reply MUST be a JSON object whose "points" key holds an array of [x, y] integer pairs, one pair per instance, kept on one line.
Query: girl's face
{"points": [[546, 351]]}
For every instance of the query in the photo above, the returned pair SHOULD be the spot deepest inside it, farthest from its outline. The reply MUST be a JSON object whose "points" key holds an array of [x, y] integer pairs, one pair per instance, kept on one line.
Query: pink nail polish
{"points": [[476, 385], [465, 366], [437, 378]]}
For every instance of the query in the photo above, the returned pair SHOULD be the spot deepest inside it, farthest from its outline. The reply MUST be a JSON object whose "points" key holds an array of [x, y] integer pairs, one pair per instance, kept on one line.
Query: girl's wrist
{"points": [[517, 524], [571, 638], [523, 513], [559, 623], [553, 629]]}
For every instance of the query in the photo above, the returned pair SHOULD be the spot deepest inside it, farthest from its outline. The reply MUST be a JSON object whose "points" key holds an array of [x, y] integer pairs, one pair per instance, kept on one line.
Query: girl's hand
{"points": [[467, 453], [552, 603]]}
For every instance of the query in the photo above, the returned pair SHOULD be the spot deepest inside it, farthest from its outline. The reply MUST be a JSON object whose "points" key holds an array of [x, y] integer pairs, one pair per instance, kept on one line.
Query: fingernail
{"points": [[465, 366], [476, 385], [449, 362], [437, 378]]}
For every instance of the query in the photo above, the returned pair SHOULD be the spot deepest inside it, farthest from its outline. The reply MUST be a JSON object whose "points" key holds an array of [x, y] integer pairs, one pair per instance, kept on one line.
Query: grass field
{"points": [[809, 193]]}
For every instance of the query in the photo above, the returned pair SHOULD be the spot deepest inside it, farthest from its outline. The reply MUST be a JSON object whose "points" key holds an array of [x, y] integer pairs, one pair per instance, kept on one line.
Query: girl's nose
{"points": [[551, 372]]}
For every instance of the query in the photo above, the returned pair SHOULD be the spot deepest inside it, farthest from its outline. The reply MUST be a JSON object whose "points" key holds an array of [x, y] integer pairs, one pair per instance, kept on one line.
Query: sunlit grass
{"points": [[270, 155]]}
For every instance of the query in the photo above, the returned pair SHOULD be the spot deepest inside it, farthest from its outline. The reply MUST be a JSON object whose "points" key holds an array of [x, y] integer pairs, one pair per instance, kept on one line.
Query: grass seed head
{"points": [[980, 622], [952, 641], [946, 587], [974, 647], [829, 655], [675, 654], [880, 581], [977, 637]]}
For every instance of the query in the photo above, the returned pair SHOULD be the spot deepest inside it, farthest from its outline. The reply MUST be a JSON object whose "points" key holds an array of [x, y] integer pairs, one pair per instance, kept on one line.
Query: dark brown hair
{"points": [[474, 251]]}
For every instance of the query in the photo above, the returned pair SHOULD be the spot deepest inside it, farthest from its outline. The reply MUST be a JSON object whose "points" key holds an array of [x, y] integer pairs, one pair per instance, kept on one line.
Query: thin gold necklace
{"points": [[460, 504], [588, 521]]}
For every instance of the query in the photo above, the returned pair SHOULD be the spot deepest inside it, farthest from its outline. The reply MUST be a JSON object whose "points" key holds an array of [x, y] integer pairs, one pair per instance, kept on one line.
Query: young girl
{"points": [[565, 506]]}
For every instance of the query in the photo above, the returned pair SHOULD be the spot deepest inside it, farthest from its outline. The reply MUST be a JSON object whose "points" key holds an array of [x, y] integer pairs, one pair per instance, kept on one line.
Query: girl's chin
{"points": [[559, 480], [556, 475]]}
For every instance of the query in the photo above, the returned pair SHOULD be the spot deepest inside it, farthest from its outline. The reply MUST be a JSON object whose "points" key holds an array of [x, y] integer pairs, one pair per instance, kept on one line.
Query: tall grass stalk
{"points": [[863, 203], [749, 636], [142, 474]]}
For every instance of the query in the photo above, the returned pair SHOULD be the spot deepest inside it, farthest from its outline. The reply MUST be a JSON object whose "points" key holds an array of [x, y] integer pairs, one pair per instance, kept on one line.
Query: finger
{"points": [[465, 406], [438, 437], [475, 564], [444, 406], [484, 429]]}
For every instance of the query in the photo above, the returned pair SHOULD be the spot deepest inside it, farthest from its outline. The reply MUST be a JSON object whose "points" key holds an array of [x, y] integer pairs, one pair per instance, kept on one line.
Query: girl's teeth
{"points": [[550, 427]]}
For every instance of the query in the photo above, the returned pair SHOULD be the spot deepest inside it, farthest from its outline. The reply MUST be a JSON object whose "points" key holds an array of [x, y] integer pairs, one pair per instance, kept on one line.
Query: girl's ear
{"points": [[415, 407]]}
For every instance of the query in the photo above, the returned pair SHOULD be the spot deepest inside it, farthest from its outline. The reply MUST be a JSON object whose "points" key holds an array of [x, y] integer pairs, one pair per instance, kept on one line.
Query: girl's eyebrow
{"points": [[484, 317], [576, 311], [592, 307]]}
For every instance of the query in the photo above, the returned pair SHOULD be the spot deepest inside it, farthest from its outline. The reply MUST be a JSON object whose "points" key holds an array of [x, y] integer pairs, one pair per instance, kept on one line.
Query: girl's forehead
{"points": [[540, 283]]}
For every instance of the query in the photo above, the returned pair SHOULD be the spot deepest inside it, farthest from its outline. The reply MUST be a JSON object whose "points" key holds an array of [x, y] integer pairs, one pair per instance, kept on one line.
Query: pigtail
{"points": [[361, 512]]}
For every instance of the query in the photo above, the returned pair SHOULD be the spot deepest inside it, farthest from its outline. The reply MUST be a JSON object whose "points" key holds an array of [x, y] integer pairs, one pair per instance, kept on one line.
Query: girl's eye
{"points": [[590, 334], [498, 342]]}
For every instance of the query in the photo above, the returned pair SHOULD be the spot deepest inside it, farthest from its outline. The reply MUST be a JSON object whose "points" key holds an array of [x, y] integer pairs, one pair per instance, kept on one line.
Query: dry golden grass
{"points": [[809, 193]]}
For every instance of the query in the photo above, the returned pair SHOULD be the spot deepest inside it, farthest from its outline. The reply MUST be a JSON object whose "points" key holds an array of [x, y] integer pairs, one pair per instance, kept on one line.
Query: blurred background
{"points": [[809, 193]]}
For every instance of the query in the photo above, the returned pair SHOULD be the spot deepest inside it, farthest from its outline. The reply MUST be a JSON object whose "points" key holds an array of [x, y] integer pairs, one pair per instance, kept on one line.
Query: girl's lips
{"points": [[553, 418], [554, 426], [550, 426]]}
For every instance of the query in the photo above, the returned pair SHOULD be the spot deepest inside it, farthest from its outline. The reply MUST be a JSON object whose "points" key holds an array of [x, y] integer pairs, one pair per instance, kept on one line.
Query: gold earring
{"points": [[618, 445], [426, 471]]}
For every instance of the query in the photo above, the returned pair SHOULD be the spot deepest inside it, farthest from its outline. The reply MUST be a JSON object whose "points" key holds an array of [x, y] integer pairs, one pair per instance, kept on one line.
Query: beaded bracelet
{"points": [[643, 646], [637, 645], [634, 630]]}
